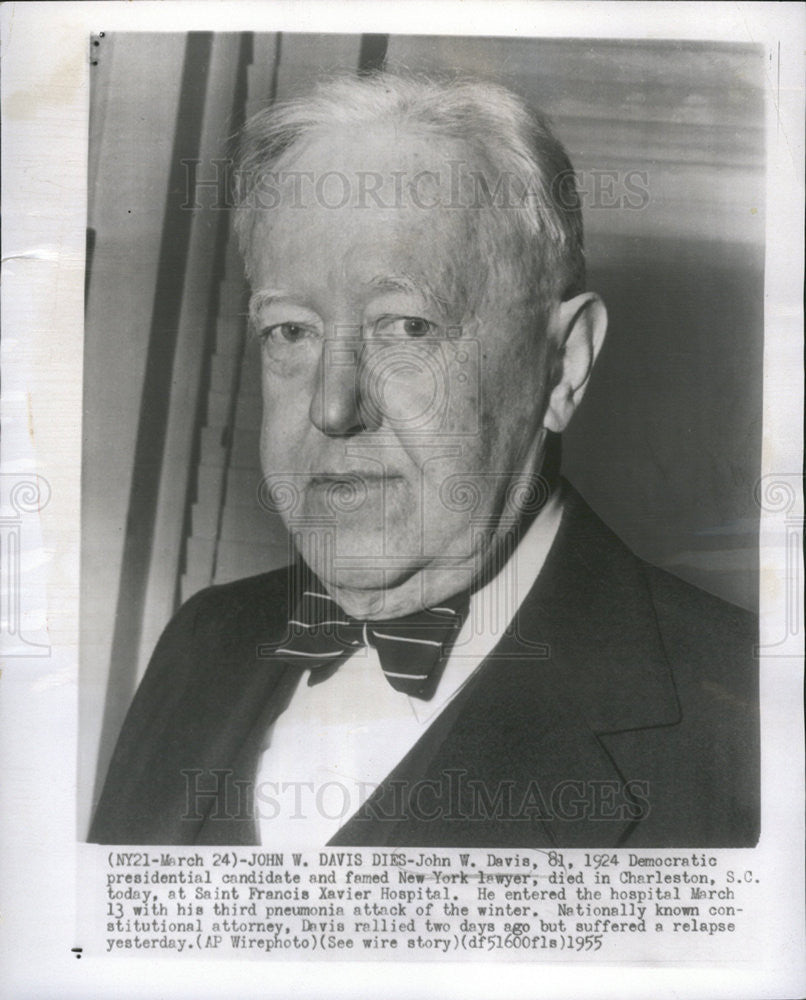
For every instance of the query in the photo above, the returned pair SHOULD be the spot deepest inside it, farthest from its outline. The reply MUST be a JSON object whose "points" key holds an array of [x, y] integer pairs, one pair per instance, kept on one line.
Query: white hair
{"points": [[514, 141]]}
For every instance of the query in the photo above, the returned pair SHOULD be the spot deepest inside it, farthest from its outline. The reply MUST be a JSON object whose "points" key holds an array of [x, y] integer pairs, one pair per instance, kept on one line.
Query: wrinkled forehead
{"points": [[375, 166], [385, 200]]}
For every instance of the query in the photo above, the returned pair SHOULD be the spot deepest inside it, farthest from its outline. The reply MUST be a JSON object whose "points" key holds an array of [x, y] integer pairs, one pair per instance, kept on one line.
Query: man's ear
{"points": [[578, 328]]}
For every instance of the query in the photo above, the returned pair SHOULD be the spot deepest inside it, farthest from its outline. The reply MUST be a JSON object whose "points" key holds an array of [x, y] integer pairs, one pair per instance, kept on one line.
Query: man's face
{"points": [[404, 364]]}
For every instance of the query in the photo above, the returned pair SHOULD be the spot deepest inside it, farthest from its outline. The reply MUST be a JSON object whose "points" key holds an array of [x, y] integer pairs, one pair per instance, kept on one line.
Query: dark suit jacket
{"points": [[623, 710]]}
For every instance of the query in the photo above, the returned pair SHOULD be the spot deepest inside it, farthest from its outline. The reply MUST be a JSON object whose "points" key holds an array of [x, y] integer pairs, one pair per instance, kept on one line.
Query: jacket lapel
{"points": [[520, 757], [229, 818], [245, 689]]}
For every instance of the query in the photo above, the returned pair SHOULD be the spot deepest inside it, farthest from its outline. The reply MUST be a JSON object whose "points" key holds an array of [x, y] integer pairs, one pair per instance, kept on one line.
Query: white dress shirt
{"points": [[338, 740]]}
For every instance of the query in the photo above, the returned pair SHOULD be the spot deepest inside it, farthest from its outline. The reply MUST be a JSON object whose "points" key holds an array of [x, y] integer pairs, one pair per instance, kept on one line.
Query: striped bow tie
{"points": [[412, 650]]}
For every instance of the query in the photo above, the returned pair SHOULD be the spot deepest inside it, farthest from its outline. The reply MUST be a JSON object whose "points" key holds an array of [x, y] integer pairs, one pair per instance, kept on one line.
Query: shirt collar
{"points": [[494, 605]]}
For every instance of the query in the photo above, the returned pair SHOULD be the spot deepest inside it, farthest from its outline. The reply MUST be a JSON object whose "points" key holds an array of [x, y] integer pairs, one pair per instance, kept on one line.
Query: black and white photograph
{"points": [[419, 633], [427, 514]]}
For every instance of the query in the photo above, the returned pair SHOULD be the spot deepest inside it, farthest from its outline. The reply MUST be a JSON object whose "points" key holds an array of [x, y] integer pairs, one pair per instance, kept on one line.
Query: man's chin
{"points": [[370, 577], [359, 562], [369, 581]]}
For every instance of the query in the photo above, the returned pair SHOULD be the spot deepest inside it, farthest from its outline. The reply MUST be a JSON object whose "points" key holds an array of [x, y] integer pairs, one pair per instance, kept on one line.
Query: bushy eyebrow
{"points": [[411, 286], [265, 297], [379, 285]]}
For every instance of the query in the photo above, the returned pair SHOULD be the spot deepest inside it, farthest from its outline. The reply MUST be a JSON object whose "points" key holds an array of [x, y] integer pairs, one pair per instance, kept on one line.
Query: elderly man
{"points": [[463, 654]]}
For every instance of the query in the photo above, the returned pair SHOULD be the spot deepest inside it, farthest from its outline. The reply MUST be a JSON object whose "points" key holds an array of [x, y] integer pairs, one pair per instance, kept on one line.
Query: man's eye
{"points": [[416, 327], [406, 326], [284, 333]]}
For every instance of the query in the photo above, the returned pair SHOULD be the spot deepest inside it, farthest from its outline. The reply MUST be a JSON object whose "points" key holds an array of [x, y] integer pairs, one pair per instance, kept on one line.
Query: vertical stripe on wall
{"points": [[156, 386]]}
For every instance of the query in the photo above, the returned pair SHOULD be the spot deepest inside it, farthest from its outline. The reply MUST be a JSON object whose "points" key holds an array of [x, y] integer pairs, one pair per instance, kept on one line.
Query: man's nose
{"points": [[338, 407]]}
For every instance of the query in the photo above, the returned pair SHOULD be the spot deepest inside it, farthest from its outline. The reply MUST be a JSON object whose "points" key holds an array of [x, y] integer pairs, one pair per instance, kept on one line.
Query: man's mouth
{"points": [[353, 478]]}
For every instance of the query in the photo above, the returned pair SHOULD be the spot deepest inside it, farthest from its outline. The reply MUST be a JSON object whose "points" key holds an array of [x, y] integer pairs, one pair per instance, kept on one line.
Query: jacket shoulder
{"points": [[703, 635], [257, 600], [215, 625], [684, 603]]}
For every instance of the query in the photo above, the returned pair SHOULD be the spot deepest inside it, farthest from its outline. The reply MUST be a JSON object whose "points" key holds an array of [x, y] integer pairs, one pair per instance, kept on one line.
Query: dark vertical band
{"points": [[372, 54], [155, 399]]}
